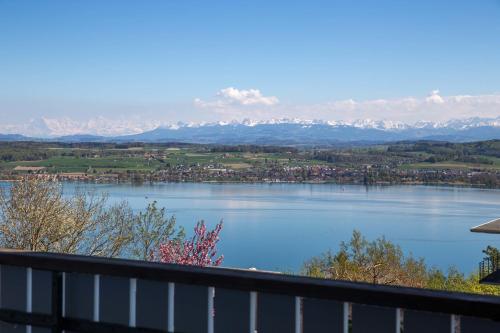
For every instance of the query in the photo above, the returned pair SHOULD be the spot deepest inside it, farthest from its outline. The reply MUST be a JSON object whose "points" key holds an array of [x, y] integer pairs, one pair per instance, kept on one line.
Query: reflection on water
{"points": [[278, 226]]}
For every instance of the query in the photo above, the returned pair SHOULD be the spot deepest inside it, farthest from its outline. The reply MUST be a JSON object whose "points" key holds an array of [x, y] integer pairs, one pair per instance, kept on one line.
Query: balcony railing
{"points": [[42, 292], [489, 270]]}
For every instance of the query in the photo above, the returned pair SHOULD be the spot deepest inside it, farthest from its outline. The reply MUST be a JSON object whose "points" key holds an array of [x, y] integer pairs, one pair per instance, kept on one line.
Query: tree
{"points": [[379, 262], [492, 252], [454, 280], [382, 262], [113, 233], [200, 250], [150, 229], [35, 216]]}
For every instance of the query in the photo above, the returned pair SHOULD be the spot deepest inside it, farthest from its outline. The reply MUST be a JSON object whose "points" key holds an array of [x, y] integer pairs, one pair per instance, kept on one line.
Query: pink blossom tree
{"points": [[200, 250]]}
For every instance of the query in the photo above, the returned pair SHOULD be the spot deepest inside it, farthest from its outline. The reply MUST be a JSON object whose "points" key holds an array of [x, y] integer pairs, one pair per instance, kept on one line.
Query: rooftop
{"points": [[490, 227]]}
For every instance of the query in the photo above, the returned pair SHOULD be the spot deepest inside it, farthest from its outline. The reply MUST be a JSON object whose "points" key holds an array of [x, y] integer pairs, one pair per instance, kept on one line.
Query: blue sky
{"points": [[153, 59]]}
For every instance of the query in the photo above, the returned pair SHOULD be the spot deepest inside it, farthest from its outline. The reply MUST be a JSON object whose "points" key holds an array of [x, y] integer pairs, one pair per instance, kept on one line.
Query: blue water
{"points": [[279, 226]]}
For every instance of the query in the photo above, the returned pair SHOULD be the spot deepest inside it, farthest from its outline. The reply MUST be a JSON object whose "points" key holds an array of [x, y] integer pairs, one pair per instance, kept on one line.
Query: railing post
{"points": [[345, 318], [63, 295], [1, 291], [29, 294], [57, 302], [253, 312], [211, 309], [170, 314], [398, 320], [132, 302], [298, 314], [97, 288], [453, 323]]}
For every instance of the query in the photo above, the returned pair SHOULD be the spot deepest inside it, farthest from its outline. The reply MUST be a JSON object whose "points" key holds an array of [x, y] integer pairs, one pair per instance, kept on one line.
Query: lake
{"points": [[279, 226]]}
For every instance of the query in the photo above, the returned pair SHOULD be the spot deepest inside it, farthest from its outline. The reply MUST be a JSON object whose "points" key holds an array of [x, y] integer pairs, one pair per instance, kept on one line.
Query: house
{"points": [[489, 270]]}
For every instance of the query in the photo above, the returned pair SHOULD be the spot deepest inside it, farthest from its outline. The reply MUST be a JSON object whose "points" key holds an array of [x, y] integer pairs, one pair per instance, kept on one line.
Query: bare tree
{"points": [[35, 216]]}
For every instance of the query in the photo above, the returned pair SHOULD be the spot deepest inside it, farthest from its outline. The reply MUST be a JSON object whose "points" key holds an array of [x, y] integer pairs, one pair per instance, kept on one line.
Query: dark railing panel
{"points": [[42, 291], [232, 311], [322, 316], [474, 325], [275, 313], [191, 308], [12, 328], [114, 300], [87, 326], [79, 296], [428, 322], [152, 304], [16, 328], [13, 287], [366, 318]]}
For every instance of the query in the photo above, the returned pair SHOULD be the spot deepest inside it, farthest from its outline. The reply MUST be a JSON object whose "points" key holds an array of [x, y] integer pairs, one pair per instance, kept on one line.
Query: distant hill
{"points": [[13, 137], [81, 138], [296, 132]]}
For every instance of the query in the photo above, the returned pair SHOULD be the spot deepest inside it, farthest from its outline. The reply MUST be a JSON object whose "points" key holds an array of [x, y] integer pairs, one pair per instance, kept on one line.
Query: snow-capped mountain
{"points": [[272, 131], [296, 131], [55, 127]]}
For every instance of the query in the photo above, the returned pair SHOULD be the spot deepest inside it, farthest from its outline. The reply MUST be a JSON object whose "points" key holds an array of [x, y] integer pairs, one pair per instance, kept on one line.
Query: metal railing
{"points": [[488, 266], [90, 294]]}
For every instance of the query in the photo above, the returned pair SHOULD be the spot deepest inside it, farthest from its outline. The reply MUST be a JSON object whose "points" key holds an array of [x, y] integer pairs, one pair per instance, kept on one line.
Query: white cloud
{"points": [[434, 97], [434, 107], [247, 97], [234, 97], [231, 103]]}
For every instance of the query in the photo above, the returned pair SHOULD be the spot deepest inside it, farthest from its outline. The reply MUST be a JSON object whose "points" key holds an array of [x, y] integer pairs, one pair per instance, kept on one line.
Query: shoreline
{"points": [[326, 182]]}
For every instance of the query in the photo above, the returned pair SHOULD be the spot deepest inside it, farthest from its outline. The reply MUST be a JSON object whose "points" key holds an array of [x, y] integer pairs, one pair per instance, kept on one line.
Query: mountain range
{"points": [[279, 131]]}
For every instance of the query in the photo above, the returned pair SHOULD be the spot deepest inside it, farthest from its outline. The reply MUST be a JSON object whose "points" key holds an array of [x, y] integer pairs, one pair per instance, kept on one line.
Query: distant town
{"points": [[423, 162]]}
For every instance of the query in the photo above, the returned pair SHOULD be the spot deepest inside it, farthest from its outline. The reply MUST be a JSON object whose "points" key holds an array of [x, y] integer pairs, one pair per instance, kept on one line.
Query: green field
{"points": [[140, 159]]}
